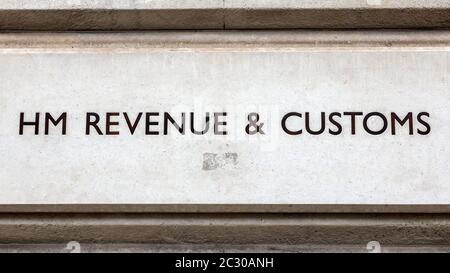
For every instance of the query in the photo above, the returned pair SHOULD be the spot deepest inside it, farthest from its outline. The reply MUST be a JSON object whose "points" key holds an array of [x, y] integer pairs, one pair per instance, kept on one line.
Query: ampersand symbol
{"points": [[253, 127]]}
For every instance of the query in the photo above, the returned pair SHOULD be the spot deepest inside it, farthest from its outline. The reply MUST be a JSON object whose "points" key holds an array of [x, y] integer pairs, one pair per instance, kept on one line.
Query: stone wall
{"points": [[46, 24]]}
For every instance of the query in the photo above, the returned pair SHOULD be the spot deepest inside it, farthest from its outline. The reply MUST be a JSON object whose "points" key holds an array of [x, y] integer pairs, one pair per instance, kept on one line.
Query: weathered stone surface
{"points": [[286, 230], [103, 229], [214, 248], [238, 39], [272, 78], [221, 14]]}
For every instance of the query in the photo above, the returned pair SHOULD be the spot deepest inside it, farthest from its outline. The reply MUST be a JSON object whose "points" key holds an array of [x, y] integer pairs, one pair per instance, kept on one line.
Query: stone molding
{"points": [[52, 15]]}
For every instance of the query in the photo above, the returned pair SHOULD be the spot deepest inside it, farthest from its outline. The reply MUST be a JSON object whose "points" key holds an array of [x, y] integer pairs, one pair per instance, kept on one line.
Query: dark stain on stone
{"points": [[213, 161]]}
